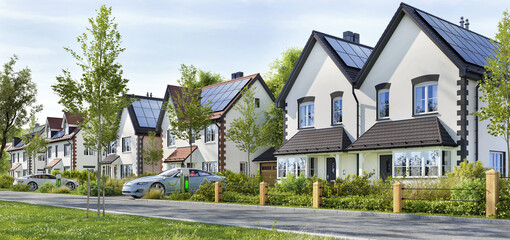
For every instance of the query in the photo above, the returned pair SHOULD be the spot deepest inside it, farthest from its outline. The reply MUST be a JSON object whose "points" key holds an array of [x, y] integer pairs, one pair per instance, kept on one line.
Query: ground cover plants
{"points": [[27, 221]]}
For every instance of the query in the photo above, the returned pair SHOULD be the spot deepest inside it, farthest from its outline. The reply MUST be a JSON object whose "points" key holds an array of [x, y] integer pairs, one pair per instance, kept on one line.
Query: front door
{"points": [[330, 169], [385, 169]]}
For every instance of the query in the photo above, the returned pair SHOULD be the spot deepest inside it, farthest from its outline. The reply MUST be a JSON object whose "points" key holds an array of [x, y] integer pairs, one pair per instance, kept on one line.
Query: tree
{"points": [[152, 152], [187, 116], [100, 93], [5, 163], [495, 86], [17, 100], [206, 78], [35, 142], [280, 71], [245, 130]]}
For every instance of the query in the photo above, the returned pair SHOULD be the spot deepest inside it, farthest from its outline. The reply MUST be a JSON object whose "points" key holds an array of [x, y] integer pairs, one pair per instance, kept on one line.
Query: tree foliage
{"points": [[495, 86], [206, 78], [187, 116], [100, 93], [244, 131], [152, 152], [17, 100], [280, 71]]}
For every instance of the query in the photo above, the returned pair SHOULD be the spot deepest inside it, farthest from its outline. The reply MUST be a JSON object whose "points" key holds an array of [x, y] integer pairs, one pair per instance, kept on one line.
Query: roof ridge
{"points": [[230, 81], [339, 38]]}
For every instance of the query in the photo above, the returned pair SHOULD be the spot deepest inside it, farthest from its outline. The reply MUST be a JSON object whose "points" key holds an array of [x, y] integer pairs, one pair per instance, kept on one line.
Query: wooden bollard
{"points": [[398, 197], [492, 197], [218, 192], [263, 198], [317, 195]]}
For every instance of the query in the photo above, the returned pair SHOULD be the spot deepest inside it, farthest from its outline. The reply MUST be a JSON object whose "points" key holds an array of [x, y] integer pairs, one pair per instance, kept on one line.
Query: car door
{"points": [[194, 180], [172, 183]]}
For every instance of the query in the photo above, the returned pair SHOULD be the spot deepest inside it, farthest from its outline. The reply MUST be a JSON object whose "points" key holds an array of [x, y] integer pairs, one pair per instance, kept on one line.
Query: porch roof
{"points": [[53, 163], [180, 154], [266, 156], [110, 159], [316, 141], [15, 167], [419, 132]]}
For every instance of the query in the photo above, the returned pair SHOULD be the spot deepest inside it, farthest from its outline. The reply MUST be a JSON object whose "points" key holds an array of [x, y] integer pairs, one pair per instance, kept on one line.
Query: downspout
{"points": [[70, 143], [357, 127], [476, 121]]}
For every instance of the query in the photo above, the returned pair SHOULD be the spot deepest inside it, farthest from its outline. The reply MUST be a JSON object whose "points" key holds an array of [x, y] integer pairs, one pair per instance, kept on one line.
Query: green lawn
{"points": [[28, 221]]}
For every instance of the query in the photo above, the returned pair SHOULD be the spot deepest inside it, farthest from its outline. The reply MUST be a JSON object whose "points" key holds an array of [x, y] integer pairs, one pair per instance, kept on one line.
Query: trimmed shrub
{"points": [[20, 188], [205, 192], [6, 181], [179, 196], [241, 183], [503, 205], [82, 189], [46, 187], [61, 189]]}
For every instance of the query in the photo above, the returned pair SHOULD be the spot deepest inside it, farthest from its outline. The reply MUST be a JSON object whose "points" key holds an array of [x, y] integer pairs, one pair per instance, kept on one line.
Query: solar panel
{"points": [[472, 47], [220, 96], [20, 144], [59, 134], [352, 54], [147, 112]]}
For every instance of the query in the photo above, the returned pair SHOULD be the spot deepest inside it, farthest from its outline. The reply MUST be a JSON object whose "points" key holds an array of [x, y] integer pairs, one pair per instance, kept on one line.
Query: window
{"points": [[13, 157], [425, 98], [210, 166], [67, 149], [56, 151], [313, 167], [24, 156], [112, 148], [292, 165], [243, 167], [49, 152], [25, 172], [40, 157], [337, 110], [306, 114], [257, 102], [203, 173], [170, 138], [282, 168], [126, 171], [87, 151], [301, 166], [126, 144], [429, 163], [497, 162], [383, 106], [210, 133]]}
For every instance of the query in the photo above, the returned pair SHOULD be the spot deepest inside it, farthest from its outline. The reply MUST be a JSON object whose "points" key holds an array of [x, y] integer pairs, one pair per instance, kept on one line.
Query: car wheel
{"points": [[158, 187], [135, 197], [71, 185], [32, 186]]}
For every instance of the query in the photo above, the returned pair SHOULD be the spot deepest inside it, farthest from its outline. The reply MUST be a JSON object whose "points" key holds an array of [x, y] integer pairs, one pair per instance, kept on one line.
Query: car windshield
{"points": [[168, 173]]}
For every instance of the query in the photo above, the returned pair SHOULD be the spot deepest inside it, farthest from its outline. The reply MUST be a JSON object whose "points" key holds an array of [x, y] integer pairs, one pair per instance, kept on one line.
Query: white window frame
{"points": [[494, 164], [379, 103], [423, 163], [112, 148], [338, 111], [309, 115], [292, 166], [126, 144], [170, 138], [426, 85], [67, 152], [49, 152], [210, 133], [245, 170]]}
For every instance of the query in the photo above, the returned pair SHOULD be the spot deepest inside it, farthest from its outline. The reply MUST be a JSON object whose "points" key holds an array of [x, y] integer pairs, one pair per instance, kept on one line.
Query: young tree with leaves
{"points": [[17, 100], [495, 86], [35, 143], [187, 116], [245, 130], [152, 151], [101, 91], [206, 78], [280, 71]]}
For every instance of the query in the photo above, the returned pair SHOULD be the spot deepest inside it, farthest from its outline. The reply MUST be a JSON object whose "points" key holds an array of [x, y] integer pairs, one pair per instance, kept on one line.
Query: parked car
{"points": [[167, 182], [36, 180]]}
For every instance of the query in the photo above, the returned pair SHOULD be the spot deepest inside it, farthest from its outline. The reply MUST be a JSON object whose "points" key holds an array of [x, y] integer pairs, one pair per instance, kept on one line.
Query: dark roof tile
{"points": [[316, 141]]}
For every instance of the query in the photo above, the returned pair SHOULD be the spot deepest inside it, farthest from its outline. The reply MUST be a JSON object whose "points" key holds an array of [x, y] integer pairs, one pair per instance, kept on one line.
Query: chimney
{"points": [[147, 94], [351, 37], [237, 75], [461, 22], [151, 94], [467, 24]]}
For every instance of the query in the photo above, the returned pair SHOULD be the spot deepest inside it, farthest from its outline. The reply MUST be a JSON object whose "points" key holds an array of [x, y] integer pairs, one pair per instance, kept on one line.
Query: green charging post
{"points": [[59, 180], [184, 180]]}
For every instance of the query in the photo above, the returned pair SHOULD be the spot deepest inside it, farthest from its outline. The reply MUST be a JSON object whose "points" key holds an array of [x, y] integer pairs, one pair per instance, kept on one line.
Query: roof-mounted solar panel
{"points": [[147, 111], [353, 55], [220, 96], [58, 135]]}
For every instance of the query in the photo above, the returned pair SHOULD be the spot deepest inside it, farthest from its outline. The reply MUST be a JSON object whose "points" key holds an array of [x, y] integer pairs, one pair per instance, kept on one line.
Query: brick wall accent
{"points": [[222, 146], [463, 122], [73, 157]]}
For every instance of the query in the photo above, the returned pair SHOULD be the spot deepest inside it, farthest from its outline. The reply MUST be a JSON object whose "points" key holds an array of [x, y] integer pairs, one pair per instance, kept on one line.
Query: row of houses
{"points": [[401, 108]]}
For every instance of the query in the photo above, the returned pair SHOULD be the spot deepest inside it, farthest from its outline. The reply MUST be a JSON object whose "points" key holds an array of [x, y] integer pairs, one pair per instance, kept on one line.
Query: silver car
{"points": [[167, 182], [37, 180]]}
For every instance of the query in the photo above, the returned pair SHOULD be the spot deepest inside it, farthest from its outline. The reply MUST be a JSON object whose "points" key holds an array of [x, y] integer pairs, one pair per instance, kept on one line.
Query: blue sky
{"points": [[220, 36]]}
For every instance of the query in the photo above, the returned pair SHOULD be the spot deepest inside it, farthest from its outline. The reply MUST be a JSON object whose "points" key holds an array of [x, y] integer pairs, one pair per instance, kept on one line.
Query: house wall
{"points": [[158, 166], [409, 54], [233, 155], [83, 160], [126, 129], [320, 77]]}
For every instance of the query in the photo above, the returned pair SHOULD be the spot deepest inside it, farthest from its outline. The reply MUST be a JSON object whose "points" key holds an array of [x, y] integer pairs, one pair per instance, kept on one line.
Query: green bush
{"points": [[293, 184], [470, 195], [153, 194], [240, 198], [6, 181], [20, 188], [205, 192], [241, 183], [179, 196], [46, 187], [358, 203], [109, 191], [468, 170], [61, 189], [503, 205]]}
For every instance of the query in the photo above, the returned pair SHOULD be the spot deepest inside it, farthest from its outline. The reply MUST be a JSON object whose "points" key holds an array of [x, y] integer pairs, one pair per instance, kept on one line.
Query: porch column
{"points": [[337, 164], [361, 161]]}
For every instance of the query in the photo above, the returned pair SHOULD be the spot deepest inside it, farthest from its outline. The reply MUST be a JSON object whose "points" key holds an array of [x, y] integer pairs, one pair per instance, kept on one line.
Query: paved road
{"points": [[345, 224]]}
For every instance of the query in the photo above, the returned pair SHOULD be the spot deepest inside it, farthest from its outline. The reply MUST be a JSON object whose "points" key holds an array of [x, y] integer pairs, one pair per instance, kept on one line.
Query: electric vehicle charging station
{"points": [[59, 180], [184, 180]]}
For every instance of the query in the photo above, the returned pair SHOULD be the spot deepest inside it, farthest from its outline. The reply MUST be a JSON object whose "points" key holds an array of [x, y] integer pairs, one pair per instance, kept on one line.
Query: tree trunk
{"points": [[248, 163], [190, 154], [4, 142], [99, 163]]}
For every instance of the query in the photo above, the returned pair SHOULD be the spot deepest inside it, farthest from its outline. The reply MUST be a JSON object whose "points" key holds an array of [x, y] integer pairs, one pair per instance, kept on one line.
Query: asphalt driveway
{"points": [[346, 224]]}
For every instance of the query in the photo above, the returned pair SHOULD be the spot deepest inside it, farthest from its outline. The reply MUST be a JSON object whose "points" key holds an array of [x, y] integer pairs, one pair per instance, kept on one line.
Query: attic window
{"points": [[257, 102]]}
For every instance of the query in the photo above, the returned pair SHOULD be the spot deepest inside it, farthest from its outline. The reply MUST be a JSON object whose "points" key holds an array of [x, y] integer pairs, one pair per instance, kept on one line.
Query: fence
{"points": [[265, 195]]}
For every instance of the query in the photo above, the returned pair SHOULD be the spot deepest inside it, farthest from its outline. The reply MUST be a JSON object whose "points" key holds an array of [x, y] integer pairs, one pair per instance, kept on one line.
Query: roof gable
{"points": [[54, 123], [348, 57], [465, 48], [144, 113]]}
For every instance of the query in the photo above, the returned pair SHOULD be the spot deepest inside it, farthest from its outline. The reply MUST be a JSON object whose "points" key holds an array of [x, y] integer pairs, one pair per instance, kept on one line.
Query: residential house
{"points": [[21, 163], [213, 152]]}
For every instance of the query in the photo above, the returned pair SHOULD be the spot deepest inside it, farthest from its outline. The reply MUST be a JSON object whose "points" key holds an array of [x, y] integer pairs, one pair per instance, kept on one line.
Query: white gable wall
{"points": [[318, 78]]}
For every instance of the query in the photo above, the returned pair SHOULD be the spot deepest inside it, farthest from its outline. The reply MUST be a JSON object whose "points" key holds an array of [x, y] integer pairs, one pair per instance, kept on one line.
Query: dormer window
{"points": [[306, 112]]}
